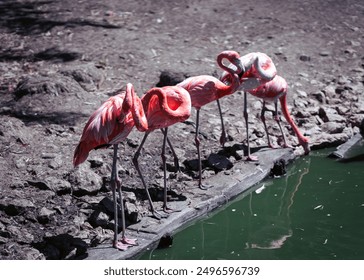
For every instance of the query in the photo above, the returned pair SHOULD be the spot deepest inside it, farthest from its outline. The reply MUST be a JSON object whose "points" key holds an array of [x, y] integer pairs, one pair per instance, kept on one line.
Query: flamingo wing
{"points": [[108, 125]]}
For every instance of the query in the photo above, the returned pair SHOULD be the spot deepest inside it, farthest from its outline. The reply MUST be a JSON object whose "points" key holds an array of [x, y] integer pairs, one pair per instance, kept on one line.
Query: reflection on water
{"points": [[276, 233], [316, 211]]}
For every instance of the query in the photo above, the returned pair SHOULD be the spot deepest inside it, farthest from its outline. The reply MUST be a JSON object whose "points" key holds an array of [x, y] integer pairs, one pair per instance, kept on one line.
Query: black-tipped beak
{"points": [[241, 68]]}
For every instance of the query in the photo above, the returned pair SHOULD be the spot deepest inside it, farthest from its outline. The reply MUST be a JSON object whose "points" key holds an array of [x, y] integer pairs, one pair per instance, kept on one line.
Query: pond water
{"points": [[315, 211]]}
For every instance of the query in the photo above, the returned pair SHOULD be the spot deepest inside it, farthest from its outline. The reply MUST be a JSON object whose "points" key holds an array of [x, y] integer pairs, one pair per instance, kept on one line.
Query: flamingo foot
{"points": [[204, 186], [252, 158], [223, 139], [121, 246], [272, 146], [159, 216], [129, 241], [168, 210]]}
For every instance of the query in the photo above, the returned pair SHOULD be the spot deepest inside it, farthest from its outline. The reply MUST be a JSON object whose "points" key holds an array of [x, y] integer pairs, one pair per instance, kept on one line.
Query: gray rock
{"points": [[56, 85], [328, 114], [219, 162], [14, 206], [302, 93], [44, 215], [325, 140], [132, 213], [329, 90], [319, 96], [333, 127], [20, 234], [170, 78], [57, 185], [88, 76], [100, 219], [56, 163], [342, 150], [84, 180], [305, 57]]}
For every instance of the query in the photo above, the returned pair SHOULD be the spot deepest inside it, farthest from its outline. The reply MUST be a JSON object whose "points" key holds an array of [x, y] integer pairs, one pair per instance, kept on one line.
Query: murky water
{"points": [[316, 211]]}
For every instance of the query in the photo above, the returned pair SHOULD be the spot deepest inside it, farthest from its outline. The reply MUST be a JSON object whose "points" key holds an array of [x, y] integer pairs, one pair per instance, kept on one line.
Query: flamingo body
{"points": [[259, 69], [163, 107], [274, 90], [204, 89], [109, 125]]}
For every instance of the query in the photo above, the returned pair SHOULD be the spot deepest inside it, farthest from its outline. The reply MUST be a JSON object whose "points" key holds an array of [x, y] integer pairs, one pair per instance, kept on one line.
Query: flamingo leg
{"points": [[115, 184], [250, 157], [164, 160], [155, 213], [276, 117], [124, 239], [223, 136], [197, 142], [262, 117], [175, 157]]}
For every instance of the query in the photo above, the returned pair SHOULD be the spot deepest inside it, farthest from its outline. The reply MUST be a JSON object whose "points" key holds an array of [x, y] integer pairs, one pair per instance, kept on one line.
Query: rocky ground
{"points": [[59, 60]]}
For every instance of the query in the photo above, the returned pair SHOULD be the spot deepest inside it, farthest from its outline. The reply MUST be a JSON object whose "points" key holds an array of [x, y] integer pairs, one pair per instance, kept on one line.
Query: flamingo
{"points": [[259, 69], [204, 89], [109, 125], [163, 107], [273, 91]]}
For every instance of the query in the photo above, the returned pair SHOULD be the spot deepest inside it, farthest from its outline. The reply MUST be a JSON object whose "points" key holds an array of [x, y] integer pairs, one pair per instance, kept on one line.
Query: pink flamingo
{"points": [[259, 69], [205, 89], [272, 91], [109, 125], [163, 107]]}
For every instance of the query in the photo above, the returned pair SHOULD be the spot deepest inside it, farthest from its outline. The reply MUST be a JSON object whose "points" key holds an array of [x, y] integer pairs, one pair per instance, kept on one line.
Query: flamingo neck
{"points": [[220, 57], [132, 103], [265, 67], [232, 76], [301, 139], [174, 101]]}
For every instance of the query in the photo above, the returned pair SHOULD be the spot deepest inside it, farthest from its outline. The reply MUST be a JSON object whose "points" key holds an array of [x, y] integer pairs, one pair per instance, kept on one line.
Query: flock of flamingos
{"points": [[161, 107]]}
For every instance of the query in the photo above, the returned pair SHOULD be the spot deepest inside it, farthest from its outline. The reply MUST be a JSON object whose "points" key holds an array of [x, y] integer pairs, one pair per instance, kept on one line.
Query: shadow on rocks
{"points": [[63, 246]]}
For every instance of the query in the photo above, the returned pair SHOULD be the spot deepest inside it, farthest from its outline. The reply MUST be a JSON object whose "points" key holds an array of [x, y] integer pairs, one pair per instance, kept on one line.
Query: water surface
{"points": [[316, 211]]}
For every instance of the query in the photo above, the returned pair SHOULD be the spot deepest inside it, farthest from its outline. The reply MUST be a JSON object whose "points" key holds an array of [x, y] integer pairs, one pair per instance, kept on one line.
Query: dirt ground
{"points": [[59, 60]]}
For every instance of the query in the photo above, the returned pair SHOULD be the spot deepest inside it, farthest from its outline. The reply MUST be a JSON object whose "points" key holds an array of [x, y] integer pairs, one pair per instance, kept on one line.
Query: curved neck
{"points": [[265, 67], [283, 101], [174, 101], [232, 74], [219, 60], [132, 102]]}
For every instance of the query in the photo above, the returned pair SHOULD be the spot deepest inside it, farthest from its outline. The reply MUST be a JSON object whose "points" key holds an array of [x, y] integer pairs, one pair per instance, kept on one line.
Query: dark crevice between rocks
{"points": [[63, 246]]}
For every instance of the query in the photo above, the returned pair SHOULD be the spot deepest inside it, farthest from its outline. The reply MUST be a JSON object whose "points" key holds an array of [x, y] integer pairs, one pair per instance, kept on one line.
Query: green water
{"points": [[316, 211]]}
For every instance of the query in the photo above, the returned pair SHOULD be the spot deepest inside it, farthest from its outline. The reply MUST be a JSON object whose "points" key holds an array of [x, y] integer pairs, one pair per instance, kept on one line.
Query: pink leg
{"points": [[115, 185], [155, 213], [223, 136], [163, 155], [276, 117], [197, 142], [262, 117]]}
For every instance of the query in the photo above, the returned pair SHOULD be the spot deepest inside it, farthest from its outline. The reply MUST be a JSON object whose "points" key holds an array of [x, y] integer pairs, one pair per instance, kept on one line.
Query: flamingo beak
{"points": [[240, 67]]}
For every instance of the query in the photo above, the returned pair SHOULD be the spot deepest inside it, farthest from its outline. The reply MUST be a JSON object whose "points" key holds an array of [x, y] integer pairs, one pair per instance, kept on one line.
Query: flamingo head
{"points": [[236, 65], [305, 144]]}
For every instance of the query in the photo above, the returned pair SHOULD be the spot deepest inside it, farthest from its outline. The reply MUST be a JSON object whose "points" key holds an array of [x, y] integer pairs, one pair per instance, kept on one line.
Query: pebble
{"points": [[305, 58], [44, 215]]}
